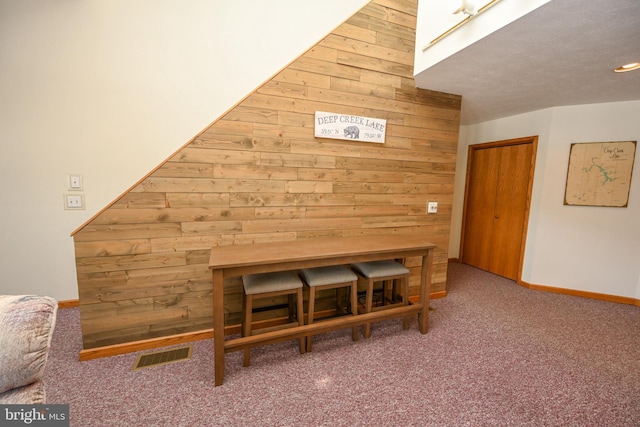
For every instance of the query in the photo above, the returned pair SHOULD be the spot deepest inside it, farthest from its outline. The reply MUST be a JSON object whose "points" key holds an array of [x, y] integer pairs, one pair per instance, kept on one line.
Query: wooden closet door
{"points": [[497, 205], [509, 210], [478, 228]]}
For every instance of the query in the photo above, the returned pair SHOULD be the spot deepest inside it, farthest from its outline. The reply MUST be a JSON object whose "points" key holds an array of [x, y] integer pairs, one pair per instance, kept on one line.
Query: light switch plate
{"points": [[432, 207], [74, 201], [74, 182]]}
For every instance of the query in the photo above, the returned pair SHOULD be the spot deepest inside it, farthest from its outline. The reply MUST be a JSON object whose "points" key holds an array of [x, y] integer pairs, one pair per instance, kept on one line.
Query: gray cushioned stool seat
{"points": [[327, 275], [375, 269], [331, 277], [270, 282], [387, 272], [268, 286]]}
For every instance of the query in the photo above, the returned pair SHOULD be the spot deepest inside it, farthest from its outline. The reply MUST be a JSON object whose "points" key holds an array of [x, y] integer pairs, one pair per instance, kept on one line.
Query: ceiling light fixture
{"points": [[628, 67], [468, 7]]}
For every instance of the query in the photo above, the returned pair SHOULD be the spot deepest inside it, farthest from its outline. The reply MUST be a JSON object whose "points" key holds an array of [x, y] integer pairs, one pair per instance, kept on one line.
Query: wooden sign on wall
{"points": [[349, 127], [599, 173]]}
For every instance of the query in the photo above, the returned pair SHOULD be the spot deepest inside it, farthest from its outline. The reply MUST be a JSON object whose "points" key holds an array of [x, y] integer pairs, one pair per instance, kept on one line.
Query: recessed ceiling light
{"points": [[628, 67]]}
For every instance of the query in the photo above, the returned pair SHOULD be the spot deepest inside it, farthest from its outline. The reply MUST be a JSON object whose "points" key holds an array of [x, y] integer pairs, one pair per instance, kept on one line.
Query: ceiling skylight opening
{"points": [[628, 67]]}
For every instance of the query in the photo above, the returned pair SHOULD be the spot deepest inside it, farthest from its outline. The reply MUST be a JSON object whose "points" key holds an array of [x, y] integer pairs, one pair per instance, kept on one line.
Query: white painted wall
{"points": [[593, 249], [638, 288], [110, 89]]}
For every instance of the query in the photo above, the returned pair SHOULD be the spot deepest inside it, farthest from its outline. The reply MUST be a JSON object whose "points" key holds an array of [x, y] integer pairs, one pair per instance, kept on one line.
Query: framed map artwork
{"points": [[599, 174]]}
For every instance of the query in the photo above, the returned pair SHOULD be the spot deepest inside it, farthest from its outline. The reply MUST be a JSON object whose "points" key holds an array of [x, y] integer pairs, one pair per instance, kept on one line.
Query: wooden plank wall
{"points": [[257, 174]]}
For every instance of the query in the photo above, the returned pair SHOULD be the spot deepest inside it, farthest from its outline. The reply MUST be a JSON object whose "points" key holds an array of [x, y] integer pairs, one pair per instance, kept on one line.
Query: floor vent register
{"points": [[162, 357]]}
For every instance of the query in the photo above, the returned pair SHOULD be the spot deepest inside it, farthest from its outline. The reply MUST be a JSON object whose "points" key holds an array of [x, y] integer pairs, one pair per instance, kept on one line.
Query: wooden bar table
{"points": [[237, 260]]}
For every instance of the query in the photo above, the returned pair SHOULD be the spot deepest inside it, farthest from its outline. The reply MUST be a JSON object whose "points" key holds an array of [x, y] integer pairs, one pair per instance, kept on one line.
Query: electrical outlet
{"points": [[73, 201], [432, 207]]}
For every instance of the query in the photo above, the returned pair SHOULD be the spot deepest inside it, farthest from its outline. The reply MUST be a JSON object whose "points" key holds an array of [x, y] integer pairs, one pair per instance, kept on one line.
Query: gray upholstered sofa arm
{"points": [[26, 327]]}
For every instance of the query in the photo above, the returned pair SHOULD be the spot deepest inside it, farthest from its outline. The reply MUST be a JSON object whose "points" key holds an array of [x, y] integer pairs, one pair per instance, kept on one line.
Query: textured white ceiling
{"points": [[562, 53]]}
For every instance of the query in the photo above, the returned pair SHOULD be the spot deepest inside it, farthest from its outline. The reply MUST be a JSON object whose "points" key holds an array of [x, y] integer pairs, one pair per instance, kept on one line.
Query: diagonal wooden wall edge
{"points": [[258, 174]]}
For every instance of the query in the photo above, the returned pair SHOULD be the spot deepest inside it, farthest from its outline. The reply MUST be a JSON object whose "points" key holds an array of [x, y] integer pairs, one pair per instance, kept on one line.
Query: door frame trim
{"points": [[525, 226]]}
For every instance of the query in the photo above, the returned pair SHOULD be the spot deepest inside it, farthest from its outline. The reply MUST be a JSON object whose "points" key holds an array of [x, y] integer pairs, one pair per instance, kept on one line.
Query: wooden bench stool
{"points": [[332, 277], [268, 285], [387, 272]]}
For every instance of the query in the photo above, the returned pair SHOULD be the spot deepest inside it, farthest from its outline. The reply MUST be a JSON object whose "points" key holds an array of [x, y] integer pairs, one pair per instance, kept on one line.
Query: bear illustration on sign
{"points": [[352, 132]]}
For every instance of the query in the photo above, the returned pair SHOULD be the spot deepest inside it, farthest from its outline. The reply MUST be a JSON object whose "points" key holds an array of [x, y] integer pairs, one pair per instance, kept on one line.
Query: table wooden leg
{"points": [[354, 309], [425, 291], [218, 326]]}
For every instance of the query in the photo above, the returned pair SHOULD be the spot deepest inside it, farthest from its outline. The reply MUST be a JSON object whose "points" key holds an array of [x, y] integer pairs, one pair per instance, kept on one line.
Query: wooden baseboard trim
{"points": [[148, 344], [433, 295], [453, 260], [584, 294], [153, 343], [69, 303], [436, 295]]}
